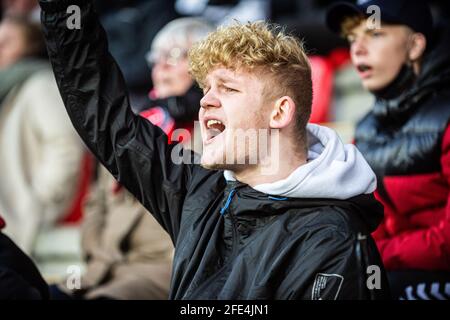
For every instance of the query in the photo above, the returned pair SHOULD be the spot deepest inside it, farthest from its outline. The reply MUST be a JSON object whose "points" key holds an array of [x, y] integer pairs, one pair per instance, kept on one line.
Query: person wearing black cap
{"points": [[406, 136]]}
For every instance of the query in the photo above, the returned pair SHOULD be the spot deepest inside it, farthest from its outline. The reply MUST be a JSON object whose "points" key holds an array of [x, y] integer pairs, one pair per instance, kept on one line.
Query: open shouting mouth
{"points": [[213, 128], [364, 70]]}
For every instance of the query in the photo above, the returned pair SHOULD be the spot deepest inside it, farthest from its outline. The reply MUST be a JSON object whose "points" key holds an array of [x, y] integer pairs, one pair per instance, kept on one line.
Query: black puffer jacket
{"points": [[232, 242], [406, 140], [403, 133]]}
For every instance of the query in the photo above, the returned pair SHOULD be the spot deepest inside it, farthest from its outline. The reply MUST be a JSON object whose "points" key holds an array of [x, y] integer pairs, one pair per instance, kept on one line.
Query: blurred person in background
{"points": [[175, 97], [406, 137], [40, 152], [127, 253], [25, 8]]}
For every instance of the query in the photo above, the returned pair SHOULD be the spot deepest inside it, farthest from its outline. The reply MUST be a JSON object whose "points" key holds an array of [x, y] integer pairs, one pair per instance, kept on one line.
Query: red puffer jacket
{"points": [[2, 223], [415, 233]]}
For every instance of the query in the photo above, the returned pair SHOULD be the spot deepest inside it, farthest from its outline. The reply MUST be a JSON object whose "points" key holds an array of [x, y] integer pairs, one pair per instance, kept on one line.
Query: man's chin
{"points": [[211, 165], [217, 165], [373, 86], [211, 158]]}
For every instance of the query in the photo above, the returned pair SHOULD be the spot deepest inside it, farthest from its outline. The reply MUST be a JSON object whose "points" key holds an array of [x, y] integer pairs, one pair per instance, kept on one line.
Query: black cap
{"points": [[414, 14]]}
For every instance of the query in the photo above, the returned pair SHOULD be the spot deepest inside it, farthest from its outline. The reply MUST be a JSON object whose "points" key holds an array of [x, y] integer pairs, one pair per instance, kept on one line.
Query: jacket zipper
{"points": [[363, 263], [223, 211], [227, 204]]}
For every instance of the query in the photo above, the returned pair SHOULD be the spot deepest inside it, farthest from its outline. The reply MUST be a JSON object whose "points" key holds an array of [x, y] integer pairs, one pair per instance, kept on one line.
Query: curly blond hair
{"points": [[259, 47]]}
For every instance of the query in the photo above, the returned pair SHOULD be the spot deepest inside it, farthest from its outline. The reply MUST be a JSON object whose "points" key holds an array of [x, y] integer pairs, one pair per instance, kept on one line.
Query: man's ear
{"points": [[282, 113], [418, 46]]}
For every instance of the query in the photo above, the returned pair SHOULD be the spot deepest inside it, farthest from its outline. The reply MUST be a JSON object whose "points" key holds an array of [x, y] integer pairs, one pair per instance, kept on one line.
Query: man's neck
{"points": [[274, 170]]}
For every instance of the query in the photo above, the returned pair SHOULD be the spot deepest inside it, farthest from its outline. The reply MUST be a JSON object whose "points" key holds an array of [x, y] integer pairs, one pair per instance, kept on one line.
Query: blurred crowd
{"points": [[49, 183]]}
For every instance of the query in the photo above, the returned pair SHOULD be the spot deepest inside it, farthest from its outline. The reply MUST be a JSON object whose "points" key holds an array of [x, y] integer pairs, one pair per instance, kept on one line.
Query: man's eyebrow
{"points": [[349, 34], [221, 79], [380, 28], [226, 79]]}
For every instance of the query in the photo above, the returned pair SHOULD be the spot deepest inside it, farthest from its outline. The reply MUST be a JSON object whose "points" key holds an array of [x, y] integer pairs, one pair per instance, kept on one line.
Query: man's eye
{"points": [[376, 34], [228, 89]]}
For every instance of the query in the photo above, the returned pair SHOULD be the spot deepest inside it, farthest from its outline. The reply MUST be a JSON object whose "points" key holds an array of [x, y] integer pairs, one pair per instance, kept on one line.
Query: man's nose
{"points": [[161, 64], [210, 100], [358, 47]]}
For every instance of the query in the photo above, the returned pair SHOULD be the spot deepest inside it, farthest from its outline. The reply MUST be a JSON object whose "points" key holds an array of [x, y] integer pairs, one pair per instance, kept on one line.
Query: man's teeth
{"points": [[210, 123]]}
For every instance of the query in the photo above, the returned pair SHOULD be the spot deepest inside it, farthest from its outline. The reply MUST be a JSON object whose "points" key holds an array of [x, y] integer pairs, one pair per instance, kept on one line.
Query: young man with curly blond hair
{"points": [[284, 214]]}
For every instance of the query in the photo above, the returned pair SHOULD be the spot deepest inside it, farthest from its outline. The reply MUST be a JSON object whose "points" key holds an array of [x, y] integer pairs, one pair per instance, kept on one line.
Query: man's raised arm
{"points": [[96, 99]]}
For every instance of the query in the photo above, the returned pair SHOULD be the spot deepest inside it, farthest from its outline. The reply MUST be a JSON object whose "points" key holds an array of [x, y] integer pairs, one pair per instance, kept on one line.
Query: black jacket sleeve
{"points": [[94, 94]]}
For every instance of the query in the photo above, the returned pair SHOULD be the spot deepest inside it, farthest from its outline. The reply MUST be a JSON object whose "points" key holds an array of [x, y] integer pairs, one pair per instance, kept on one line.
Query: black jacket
{"points": [[232, 242], [19, 277]]}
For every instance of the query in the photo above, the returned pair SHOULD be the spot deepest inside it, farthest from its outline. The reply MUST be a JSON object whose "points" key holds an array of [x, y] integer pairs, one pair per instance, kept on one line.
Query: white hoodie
{"points": [[333, 170]]}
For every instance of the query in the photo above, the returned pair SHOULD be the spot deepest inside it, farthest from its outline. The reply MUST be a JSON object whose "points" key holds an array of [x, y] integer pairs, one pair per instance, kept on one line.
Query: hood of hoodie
{"points": [[333, 171]]}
